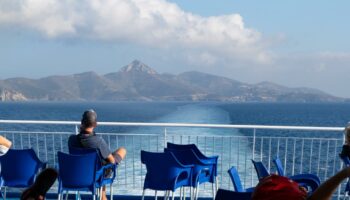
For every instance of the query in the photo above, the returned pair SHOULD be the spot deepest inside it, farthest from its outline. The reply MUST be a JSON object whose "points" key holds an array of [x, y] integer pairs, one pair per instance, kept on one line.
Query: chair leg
{"points": [[111, 191], [191, 193], [167, 194], [59, 196], [213, 190], [94, 197], [184, 193], [143, 194], [67, 195], [180, 193], [217, 183], [5, 192], [172, 198], [197, 188]]}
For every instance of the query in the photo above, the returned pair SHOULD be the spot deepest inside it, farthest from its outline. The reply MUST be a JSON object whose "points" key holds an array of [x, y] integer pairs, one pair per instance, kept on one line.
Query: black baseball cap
{"points": [[89, 118]]}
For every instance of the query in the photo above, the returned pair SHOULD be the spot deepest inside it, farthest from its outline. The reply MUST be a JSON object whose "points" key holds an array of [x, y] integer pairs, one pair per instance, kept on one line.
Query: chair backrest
{"points": [[193, 147], [162, 169], [83, 151], [279, 166], [184, 156], [260, 168], [19, 167], [77, 171], [80, 151], [236, 181]]}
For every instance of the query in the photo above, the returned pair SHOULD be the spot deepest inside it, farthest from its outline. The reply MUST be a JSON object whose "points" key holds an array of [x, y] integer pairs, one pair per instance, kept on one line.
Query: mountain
{"points": [[139, 82]]}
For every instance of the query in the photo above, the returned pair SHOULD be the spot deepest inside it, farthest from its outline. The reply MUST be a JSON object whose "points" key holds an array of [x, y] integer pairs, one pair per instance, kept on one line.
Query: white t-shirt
{"points": [[3, 150]]}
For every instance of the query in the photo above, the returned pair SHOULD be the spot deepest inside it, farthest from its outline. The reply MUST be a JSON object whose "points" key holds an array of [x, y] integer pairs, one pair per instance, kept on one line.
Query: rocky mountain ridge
{"points": [[139, 82]]}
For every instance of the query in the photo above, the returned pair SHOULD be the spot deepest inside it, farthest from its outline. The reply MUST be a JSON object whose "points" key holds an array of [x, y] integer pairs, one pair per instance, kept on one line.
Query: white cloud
{"points": [[154, 23]]}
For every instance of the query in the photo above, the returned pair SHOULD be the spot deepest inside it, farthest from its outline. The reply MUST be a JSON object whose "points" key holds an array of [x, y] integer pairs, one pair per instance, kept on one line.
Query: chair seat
{"points": [[16, 184]]}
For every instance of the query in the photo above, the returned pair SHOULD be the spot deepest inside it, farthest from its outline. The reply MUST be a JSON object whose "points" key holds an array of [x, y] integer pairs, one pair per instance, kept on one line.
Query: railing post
{"points": [[253, 152], [254, 137], [165, 139], [76, 130], [341, 166]]}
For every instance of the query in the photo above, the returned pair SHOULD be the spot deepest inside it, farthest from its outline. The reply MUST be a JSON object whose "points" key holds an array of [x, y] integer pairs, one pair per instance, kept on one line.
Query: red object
{"points": [[276, 187]]}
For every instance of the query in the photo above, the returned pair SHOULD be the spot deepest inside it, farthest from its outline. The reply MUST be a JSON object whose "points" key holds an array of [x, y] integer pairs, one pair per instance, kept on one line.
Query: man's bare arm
{"points": [[326, 189]]}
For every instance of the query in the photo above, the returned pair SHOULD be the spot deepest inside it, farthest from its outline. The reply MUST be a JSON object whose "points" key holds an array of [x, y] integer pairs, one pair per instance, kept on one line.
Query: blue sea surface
{"points": [[314, 155], [288, 114]]}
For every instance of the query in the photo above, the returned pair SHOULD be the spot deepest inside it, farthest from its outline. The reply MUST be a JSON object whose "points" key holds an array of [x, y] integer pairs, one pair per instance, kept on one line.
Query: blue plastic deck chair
{"points": [[236, 181], [346, 162], [164, 173], [102, 180], [202, 171], [306, 180], [232, 195], [207, 159], [77, 173], [260, 169], [19, 168]]}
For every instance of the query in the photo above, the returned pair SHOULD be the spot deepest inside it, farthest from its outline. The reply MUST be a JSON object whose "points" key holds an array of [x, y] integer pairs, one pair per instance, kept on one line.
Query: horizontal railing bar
{"points": [[305, 138], [69, 133], [305, 128], [199, 136], [40, 132]]}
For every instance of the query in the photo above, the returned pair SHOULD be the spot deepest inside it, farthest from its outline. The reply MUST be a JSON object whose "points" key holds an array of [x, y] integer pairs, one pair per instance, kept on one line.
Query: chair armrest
{"points": [[213, 157], [206, 161], [100, 173], [203, 170], [187, 170]]}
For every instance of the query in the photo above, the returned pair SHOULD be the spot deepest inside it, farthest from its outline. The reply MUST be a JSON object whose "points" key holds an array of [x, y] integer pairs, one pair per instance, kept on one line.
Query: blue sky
{"points": [[293, 43]]}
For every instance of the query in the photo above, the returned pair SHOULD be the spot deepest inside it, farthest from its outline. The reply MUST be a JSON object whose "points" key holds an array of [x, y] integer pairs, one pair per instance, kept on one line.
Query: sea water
{"points": [[174, 112]]}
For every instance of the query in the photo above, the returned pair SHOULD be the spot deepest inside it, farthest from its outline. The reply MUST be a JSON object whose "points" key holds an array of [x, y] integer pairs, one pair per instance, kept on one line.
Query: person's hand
{"points": [[5, 142]]}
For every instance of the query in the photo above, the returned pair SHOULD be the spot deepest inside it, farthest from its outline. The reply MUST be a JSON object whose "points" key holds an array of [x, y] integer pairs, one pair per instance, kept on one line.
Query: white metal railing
{"points": [[308, 153]]}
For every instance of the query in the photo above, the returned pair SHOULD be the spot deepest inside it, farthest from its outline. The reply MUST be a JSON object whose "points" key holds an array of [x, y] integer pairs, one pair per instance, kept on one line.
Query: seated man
{"points": [[87, 138], [5, 145]]}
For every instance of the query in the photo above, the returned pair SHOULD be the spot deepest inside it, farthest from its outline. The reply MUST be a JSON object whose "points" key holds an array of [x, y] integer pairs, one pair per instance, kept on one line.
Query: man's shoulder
{"points": [[73, 141], [93, 138]]}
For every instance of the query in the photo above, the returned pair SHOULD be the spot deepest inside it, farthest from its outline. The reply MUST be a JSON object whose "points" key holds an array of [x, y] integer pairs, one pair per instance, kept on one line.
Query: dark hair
{"points": [[89, 119]]}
